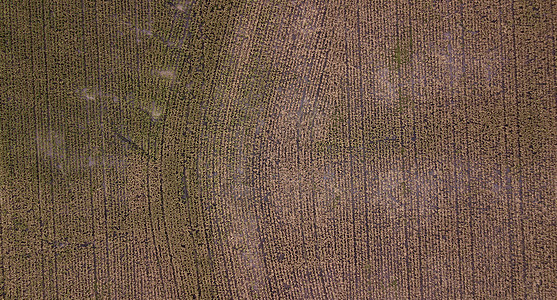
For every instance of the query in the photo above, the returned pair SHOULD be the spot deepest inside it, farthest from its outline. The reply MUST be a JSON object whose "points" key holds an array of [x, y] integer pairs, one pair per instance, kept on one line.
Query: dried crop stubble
{"points": [[279, 150]]}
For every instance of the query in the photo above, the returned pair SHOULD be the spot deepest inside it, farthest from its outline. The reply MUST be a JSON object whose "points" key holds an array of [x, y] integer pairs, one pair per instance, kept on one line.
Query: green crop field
{"points": [[272, 149]]}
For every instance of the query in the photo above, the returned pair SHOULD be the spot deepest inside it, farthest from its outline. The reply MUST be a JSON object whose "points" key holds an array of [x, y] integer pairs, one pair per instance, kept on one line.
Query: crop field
{"points": [[155, 149]]}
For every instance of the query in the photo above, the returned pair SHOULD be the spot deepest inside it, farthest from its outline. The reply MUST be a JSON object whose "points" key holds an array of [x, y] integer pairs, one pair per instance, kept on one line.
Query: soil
{"points": [[278, 150]]}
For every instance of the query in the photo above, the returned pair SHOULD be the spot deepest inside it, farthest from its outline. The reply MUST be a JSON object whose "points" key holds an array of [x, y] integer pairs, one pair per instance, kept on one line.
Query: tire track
{"points": [[88, 122], [49, 122], [37, 148]]}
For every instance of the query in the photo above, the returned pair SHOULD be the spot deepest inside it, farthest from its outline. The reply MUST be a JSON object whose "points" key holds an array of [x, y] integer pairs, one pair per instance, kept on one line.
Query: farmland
{"points": [[278, 149]]}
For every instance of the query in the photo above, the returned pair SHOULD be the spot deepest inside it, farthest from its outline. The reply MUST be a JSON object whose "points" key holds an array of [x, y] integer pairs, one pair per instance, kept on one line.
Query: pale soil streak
{"points": [[243, 235], [236, 219]]}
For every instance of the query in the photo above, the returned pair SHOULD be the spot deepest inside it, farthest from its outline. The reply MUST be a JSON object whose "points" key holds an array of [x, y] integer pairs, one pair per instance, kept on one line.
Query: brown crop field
{"points": [[168, 149]]}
